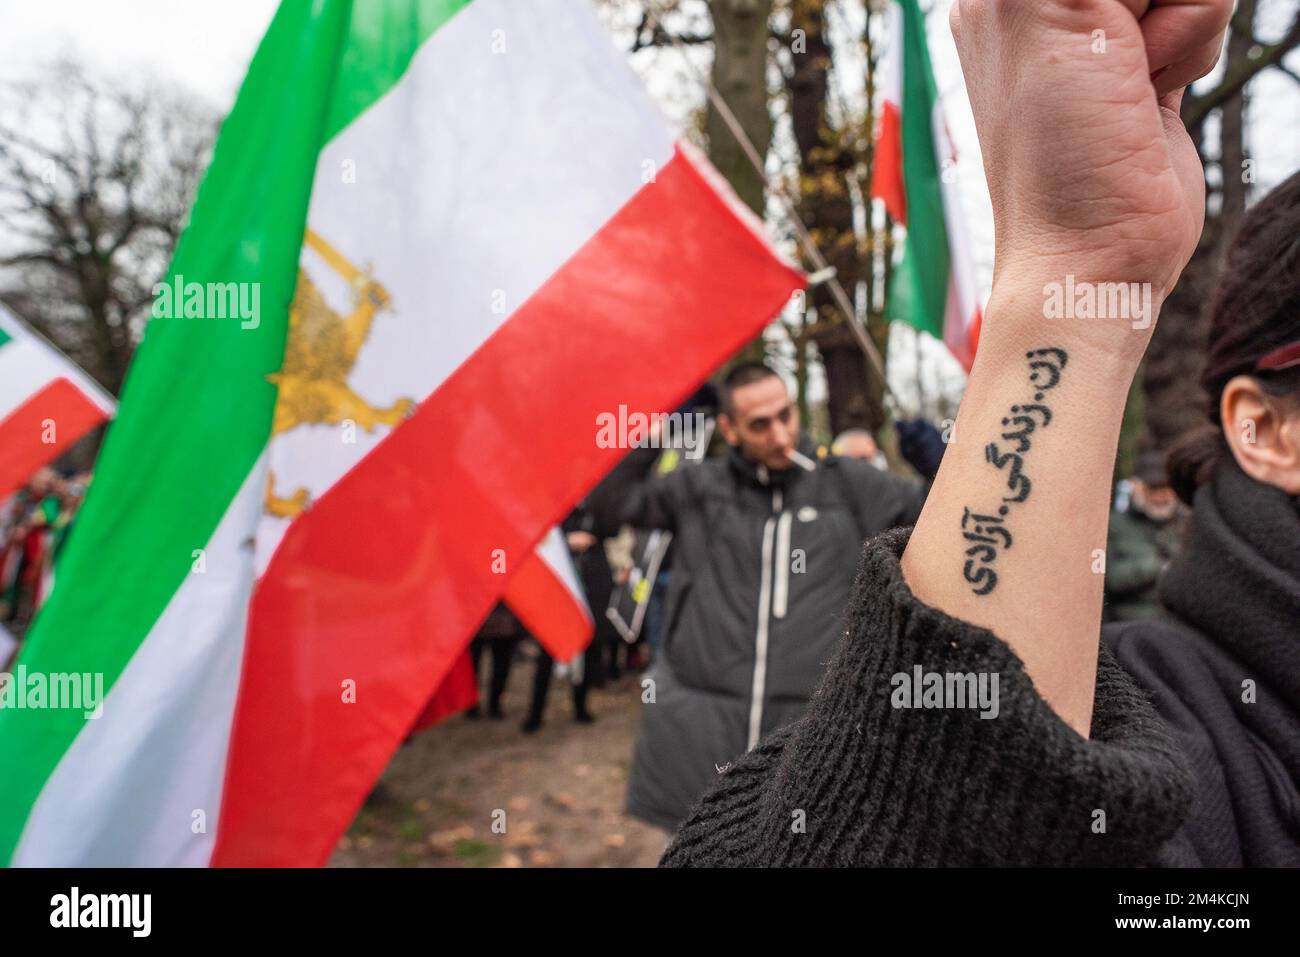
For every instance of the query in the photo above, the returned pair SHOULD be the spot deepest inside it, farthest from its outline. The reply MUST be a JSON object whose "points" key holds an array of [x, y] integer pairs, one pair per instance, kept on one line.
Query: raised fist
{"points": [[1076, 102]]}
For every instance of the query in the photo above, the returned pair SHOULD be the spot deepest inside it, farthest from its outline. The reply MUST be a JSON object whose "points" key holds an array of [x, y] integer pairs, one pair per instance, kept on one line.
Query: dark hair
{"points": [[740, 375], [1255, 311], [1150, 469]]}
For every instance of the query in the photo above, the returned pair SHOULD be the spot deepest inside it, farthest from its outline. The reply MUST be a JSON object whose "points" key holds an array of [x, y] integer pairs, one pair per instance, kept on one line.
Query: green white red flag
{"points": [[933, 286], [466, 233], [46, 403]]}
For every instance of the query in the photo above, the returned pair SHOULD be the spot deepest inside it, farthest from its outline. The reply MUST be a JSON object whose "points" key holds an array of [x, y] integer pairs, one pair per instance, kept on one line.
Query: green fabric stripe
{"points": [[918, 291], [4, 336]]}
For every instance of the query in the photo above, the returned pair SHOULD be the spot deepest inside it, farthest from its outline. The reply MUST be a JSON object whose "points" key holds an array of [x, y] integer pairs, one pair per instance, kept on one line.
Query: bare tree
{"points": [[96, 181]]}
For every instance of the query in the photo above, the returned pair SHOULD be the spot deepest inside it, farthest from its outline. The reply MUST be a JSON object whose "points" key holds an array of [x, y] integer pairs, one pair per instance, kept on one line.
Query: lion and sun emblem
{"points": [[320, 351]]}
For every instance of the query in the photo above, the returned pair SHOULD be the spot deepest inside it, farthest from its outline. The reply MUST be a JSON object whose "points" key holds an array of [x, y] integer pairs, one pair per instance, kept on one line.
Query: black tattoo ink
{"points": [[988, 535]]}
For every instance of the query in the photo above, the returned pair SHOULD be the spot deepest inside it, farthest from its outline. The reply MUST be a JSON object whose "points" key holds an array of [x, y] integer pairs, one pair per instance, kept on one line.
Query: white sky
{"points": [[203, 44]]}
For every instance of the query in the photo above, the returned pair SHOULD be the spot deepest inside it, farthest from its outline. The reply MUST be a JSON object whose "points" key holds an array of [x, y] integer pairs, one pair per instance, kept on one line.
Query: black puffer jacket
{"points": [[762, 568]]}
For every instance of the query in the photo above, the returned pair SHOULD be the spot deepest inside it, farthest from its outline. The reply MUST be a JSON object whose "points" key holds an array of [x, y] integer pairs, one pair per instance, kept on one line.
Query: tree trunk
{"points": [[828, 161], [739, 75]]}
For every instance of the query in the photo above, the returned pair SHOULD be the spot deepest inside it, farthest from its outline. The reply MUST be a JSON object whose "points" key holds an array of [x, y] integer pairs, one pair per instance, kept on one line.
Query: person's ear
{"points": [[728, 429], [1264, 440]]}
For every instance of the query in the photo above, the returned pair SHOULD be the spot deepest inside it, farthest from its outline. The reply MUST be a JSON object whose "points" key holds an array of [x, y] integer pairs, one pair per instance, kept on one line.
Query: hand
{"points": [[580, 541], [1076, 102]]}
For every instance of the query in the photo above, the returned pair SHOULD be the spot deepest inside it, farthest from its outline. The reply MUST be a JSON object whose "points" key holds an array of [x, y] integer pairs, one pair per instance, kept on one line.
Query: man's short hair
{"points": [[741, 375]]}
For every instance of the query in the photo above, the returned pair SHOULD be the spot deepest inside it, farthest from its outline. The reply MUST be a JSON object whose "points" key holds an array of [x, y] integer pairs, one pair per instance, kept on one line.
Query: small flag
{"points": [[933, 286], [547, 599], [46, 403]]}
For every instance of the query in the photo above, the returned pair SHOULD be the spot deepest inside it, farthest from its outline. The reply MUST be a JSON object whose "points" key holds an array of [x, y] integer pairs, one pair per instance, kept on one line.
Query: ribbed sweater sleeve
{"points": [[859, 781]]}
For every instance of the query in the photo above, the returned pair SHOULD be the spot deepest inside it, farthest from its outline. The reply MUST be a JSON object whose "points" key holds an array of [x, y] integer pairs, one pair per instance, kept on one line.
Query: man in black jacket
{"points": [[765, 544]]}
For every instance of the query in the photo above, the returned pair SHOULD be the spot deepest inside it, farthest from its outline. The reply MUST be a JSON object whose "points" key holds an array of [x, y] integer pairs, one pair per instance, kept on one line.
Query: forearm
{"points": [[1010, 533], [626, 495]]}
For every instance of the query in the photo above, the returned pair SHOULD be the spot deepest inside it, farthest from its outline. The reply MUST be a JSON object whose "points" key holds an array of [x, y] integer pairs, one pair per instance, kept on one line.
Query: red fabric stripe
{"points": [[458, 692], [887, 174], [21, 450], [388, 575], [549, 610]]}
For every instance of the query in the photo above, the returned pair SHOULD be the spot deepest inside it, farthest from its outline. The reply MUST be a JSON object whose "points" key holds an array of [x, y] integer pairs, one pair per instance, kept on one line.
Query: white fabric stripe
{"points": [[891, 73], [28, 364], [126, 792], [759, 686], [475, 179], [25, 369], [781, 595]]}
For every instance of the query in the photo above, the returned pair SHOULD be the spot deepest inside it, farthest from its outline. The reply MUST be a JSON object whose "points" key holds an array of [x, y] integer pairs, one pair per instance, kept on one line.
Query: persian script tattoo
{"points": [[986, 532]]}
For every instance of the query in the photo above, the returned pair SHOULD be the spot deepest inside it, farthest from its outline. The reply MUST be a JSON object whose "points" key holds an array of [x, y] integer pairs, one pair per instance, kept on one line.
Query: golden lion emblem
{"points": [[320, 351]]}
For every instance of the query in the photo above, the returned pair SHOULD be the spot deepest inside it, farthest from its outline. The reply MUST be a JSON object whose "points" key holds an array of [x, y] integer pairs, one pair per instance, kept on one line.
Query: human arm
{"points": [[1094, 182], [634, 494]]}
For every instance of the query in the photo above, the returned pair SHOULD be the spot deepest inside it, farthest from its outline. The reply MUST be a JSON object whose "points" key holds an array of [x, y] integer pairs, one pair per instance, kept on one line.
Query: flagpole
{"points": [[805, 239]]}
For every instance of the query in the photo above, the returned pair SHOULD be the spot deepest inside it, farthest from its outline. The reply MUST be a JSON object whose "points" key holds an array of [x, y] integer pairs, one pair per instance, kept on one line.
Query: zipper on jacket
{"points": [[764, 613], [781, 591]]}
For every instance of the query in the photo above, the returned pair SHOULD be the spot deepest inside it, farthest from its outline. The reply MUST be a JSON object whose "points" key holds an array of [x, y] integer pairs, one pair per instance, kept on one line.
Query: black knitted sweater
{"points": [[859, 782]]}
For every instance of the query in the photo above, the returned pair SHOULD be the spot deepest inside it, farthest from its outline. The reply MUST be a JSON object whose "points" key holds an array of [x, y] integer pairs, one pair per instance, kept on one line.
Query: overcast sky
{"points": [[203, 44]]}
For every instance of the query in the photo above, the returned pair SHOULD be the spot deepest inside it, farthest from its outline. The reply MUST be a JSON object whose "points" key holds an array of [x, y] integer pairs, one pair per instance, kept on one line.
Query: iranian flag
{"points": [[445, 236], [933, 287], [46, 403]]}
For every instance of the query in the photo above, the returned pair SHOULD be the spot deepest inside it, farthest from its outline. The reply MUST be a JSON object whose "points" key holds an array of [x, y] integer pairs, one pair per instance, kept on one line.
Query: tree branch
{"points": [[1197, 108]]}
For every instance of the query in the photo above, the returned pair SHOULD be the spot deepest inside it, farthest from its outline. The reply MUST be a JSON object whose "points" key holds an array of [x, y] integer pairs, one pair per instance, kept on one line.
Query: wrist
{"points": [[1105, 320]]}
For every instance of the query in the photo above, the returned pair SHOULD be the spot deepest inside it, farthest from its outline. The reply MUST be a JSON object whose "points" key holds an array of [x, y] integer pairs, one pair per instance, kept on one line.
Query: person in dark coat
{"points": [[586, 541], [1187, 749], [1144, 533], [500, 635], [764, 542]]}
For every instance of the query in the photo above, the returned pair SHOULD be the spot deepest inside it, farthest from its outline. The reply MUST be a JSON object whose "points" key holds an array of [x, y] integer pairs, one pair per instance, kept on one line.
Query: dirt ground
{"points": [[561, 788]]}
